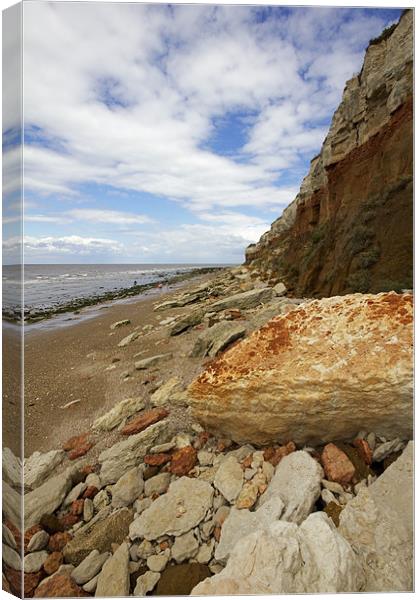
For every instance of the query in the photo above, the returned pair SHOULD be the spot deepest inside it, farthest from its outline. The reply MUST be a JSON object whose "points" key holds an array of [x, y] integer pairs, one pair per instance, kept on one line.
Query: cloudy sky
{"points": [[173, 133]]}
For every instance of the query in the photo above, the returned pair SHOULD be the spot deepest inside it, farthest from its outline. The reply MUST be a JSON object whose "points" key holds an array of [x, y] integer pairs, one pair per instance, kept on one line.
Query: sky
{"points": [[171, 133]]}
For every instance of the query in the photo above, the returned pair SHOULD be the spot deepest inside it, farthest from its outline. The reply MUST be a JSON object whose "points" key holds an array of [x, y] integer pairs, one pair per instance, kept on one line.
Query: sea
{"points": [[48, 286]]}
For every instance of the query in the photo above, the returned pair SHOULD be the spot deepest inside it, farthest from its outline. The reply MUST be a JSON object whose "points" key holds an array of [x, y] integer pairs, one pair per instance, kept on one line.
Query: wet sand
{"points": [[75, 362]]}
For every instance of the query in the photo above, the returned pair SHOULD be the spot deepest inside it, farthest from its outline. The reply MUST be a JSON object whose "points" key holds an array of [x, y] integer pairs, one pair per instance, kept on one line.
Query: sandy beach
{"points": [[82, 362]]}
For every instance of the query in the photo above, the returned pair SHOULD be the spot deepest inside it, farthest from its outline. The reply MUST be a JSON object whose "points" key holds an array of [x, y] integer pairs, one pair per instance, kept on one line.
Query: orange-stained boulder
{"points": [[321, 372]]}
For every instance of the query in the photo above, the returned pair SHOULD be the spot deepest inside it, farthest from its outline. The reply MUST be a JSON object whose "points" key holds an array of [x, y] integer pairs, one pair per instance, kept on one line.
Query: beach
{"points": [[73, 361]]}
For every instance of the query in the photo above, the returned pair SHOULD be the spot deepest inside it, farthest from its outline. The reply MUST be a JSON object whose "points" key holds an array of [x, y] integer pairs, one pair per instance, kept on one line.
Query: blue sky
{"points": [[172, 133]]}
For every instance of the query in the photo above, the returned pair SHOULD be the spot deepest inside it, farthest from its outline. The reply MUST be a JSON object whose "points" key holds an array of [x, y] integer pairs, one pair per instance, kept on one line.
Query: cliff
{"points": [[350, 228]]}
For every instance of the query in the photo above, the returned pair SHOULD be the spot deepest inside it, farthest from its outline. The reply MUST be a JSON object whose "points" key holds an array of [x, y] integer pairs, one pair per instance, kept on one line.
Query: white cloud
{"points": [[44, 246], [108, 216]]}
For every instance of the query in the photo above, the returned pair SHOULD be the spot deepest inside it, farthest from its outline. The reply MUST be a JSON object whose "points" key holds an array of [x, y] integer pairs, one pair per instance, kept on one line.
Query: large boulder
{"points": [[216, 338], [38, 467], [285, 559], [378, 523], [46, 498], [244, 300], [320, 372]]}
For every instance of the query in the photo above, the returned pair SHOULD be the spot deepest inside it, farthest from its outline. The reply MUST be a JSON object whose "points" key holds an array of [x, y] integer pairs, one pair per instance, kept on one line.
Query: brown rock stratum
{"points": [[350, 228], [321, 372]]}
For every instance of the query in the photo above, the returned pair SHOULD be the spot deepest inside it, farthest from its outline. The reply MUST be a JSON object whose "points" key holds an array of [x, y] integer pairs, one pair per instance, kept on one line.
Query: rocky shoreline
{"points": [[150, 501], [33, 315]]}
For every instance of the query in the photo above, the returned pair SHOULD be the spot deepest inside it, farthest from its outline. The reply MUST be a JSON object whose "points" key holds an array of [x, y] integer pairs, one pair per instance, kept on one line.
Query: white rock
{"points": [[128, 488], [46, 498], [332, 486], [38, 541], [297, 481], [163, 395], [124, 455], [229, 479], [74, 493], [280, 289], [152, 361], [11, 558], [145, 549], [34, 561], [371, 440], [157, 562], [114, 579], [38, 467], [90, 586], [88, 510], [185, 546], [286, 559], [328, 496], [205, 458], [12, 469], [9, 538], [128, 339], [118, 414], [157, 484], [141, 505], [205, 553], [163, 447], [387, 448], [179, 510], [118, 324], [101, 500], [240, 523], [93, 480], [89, 567], [378, 523], [146, 583]]}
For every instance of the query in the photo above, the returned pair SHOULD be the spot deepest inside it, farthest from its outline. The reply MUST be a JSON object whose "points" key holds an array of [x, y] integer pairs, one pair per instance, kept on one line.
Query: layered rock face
{"points": [[350, 227], [323, 371]]}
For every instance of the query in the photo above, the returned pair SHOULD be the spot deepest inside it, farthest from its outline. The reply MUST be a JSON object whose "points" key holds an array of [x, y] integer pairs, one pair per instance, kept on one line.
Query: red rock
{"points": [[156, 460], [274, 454], [183, 460], [75, 441], [337, 466], [59, 586], [69, 520], [29, 533], [87, 469], [53, 562], [90, 492], [149, 417], [30, 582], [164, 545], [80, 450], [364, 450], [77, 507], [246, 463], [58, 541], [217, 532], [16, 533]]}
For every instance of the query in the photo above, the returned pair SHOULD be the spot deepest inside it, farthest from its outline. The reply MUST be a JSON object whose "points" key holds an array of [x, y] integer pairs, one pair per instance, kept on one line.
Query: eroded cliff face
{"points": [[350, 228]]}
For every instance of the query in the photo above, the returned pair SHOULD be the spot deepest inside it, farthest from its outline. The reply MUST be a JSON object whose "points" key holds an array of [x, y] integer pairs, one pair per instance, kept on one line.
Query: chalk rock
{"points": [[229, 478], [38, 467], [297, 481], [118, 413], [12, 468], [185, 546], [316, 374], [240, 523], [12, 505], [152, 361], [146, 583], [89, 567], [128, 339], [216, 338], [378, 523], [32, 563], [114, 579], [287, 559], [157, 484], [11, 558], [46, 498], [121, 457], [179, 510], [163, 394], [118, 324], [243, 301], [38, 541], [280, 289], [9, 538], [157, 562], [128, 488], [191, 320]]}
